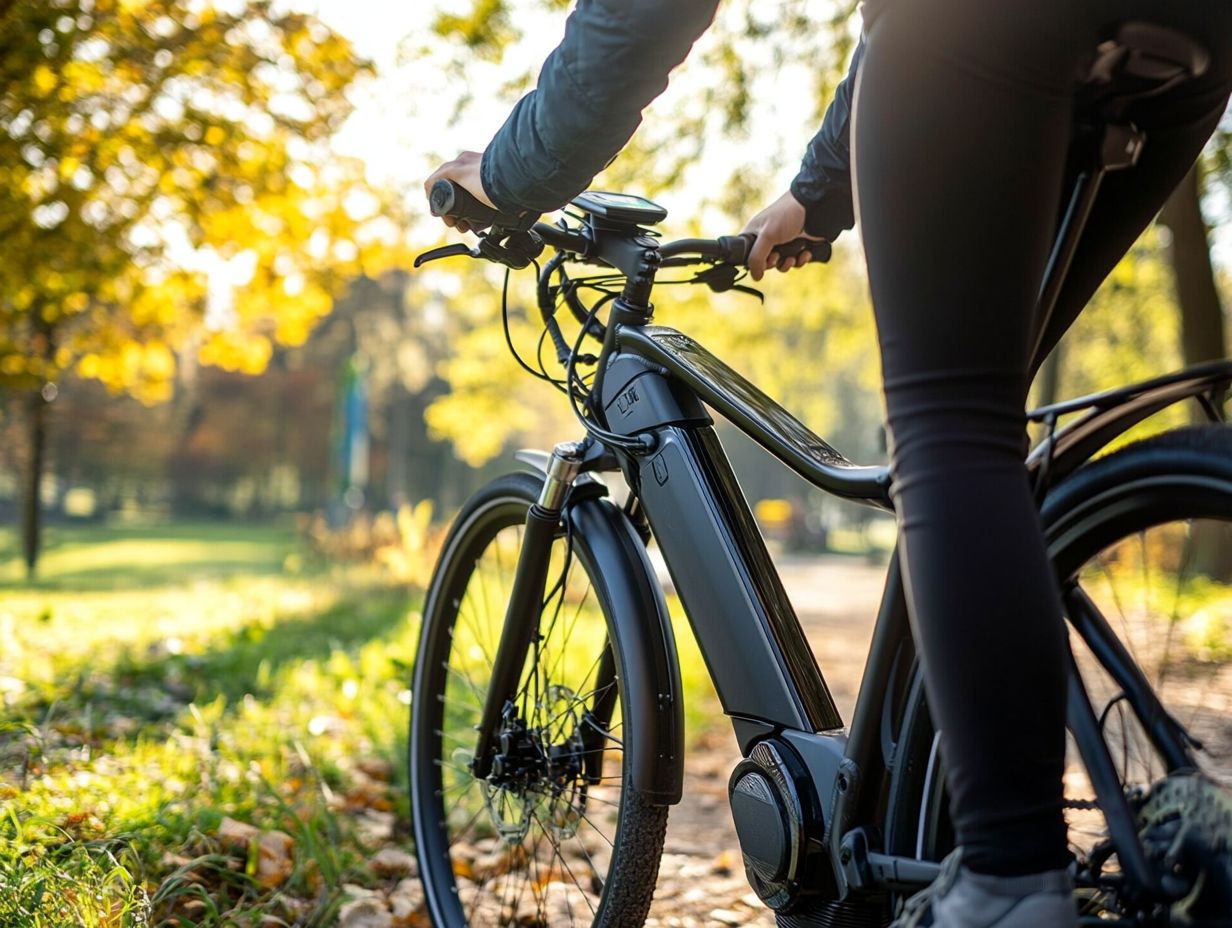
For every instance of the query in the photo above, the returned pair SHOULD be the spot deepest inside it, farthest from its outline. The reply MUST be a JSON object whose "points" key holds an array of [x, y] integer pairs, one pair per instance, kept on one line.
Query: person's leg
{"points": [[961, 125], [958, 157]]}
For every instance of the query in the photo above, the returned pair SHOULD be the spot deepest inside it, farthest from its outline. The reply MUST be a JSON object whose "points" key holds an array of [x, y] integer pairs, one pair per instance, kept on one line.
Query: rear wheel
{"points": [[1144, 538], [556, 834]]}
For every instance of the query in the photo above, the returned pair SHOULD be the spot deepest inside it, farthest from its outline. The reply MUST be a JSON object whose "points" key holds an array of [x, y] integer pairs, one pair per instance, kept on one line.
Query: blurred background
{"points": [[210, 211], [234, 424]]}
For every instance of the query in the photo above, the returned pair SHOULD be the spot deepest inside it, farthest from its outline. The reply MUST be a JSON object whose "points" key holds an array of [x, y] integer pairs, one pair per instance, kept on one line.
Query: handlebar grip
{"points": [[736, 248], [819, 248], [448, 199]]}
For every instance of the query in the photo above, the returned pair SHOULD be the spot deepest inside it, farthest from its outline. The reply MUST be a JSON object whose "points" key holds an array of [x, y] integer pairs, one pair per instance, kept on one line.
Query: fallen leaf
{"points": [[275, 858], [407, 903], [374, 828], [392, 861], [236, 835], [376, 767], [365, 913]]}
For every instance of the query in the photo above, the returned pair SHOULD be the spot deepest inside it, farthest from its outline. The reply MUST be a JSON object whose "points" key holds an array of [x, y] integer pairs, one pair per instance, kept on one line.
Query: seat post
{"points": [[1086, 188], [1115, 146], [1141, 60]]}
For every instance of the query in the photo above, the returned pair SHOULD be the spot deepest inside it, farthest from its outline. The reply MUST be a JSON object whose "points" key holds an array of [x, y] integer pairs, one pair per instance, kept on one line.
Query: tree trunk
{"points": [[186, 416], [31, 523], [1202, 321], [1050, 376], [1202, 330]]}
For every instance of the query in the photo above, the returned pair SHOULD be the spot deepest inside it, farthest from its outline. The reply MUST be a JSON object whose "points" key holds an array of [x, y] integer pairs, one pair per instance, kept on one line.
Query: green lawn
{"points": [[94, 557], [158, 680]]}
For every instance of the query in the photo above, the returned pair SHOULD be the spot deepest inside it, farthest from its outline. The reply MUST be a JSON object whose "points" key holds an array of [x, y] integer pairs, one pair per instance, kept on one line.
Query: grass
{"points": [[92, 557], [158, 680]]}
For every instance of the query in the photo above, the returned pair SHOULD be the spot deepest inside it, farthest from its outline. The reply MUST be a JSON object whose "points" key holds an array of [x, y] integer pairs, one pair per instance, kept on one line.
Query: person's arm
{"points": [[614, 59], [823, 186], [819, 202]]}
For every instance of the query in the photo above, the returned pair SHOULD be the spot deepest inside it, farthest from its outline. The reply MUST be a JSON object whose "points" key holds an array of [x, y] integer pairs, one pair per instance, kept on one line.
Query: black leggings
{"points": [[962, 118]]}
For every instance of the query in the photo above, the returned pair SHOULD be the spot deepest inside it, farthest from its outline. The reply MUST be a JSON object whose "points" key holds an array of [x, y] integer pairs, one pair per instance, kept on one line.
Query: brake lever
{"points": [[722, 277], [515, 250], [447, 251]]}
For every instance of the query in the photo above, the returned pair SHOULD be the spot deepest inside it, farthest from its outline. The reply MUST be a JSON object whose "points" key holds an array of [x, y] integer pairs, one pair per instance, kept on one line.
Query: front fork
{"points": [[526, 600]]}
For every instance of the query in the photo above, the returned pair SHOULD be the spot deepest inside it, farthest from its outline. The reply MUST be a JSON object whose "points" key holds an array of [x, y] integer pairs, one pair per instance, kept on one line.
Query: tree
{"points": [[722, 94], [1202, 318], [165, 187], [1203, 326]]}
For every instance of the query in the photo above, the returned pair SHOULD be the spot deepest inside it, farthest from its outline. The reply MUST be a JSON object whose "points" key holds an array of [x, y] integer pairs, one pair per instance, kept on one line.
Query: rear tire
{"points": [[1130, 521], [565, 839]]}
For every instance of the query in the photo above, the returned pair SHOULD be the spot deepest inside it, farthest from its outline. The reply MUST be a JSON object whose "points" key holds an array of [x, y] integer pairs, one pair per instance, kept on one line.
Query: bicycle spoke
{"points": [[1173, 618], [465, 678], [568, 870]]}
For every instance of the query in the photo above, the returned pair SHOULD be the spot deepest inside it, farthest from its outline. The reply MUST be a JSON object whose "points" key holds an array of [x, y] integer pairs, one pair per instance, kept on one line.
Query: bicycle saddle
{"points": [[1145, 58]]}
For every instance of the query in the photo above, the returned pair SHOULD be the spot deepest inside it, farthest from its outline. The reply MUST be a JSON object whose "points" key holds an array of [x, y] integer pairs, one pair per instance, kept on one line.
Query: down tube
{"points": [[748, 632]]}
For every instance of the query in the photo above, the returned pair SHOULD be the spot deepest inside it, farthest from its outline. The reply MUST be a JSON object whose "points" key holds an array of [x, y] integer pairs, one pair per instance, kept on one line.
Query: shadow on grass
{"points": [[147, 576]]}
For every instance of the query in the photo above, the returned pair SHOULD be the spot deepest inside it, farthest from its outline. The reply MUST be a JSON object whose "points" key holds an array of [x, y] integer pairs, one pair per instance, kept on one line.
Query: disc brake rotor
{"points": [[538, 775]]}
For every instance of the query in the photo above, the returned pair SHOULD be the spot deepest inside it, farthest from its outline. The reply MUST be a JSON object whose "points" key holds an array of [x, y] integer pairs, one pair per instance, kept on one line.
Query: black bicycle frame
{"points": [[654, 384], [748, 632], [745, 624]]}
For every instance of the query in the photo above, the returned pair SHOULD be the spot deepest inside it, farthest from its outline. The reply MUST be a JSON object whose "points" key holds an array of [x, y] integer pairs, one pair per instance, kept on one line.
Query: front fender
{"points": [[645, 646], [644, 643]]}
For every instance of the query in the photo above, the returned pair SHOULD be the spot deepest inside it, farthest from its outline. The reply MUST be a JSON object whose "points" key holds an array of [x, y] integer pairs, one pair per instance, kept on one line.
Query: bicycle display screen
{"points": [[620, 207]]}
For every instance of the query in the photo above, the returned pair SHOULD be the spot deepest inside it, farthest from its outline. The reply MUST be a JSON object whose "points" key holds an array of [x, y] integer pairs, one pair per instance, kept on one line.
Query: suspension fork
{"points": [[526, 600]]}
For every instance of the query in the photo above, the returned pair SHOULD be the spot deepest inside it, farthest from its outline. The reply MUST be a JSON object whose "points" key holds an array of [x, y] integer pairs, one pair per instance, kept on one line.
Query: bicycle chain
{"points": [[1085, 805]]}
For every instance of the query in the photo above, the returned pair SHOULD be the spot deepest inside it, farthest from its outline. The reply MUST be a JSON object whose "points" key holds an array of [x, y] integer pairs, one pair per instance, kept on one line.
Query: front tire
{"points": [[560, 836]]}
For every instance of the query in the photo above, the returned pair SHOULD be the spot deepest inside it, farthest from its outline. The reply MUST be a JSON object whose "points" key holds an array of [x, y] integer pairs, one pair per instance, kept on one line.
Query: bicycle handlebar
{"points": [[449, 199], [563, 239], [735, 249]]}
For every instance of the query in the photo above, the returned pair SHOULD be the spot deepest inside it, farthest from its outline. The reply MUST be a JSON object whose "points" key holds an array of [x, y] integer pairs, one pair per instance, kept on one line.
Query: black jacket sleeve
{"points": [[614, 59], [823, 185]]}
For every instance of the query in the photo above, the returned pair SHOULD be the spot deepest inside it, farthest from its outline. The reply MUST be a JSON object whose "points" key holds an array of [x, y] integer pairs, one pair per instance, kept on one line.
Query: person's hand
{"points": [[463, 171], [780, 222]]}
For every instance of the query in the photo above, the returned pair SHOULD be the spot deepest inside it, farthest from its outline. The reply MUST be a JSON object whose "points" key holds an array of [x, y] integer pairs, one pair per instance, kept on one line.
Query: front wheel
{"points": [[1142, 542], [556, 834]]}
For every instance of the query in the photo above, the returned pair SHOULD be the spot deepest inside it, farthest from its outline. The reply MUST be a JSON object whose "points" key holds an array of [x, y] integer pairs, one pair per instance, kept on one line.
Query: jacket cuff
{"points": [[827, 212], [492, 188]]}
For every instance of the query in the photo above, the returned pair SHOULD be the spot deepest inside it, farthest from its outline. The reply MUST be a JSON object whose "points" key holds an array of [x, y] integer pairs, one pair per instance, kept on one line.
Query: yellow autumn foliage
{"points": [[157, 193]]}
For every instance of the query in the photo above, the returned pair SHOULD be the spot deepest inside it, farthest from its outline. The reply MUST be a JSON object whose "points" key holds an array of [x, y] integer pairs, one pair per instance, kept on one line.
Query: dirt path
{"points": [[701, 879]]}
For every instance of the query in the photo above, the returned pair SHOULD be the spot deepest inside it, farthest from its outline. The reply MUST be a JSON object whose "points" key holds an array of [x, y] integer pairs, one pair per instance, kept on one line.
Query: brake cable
{"points": [[540, 374]]}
